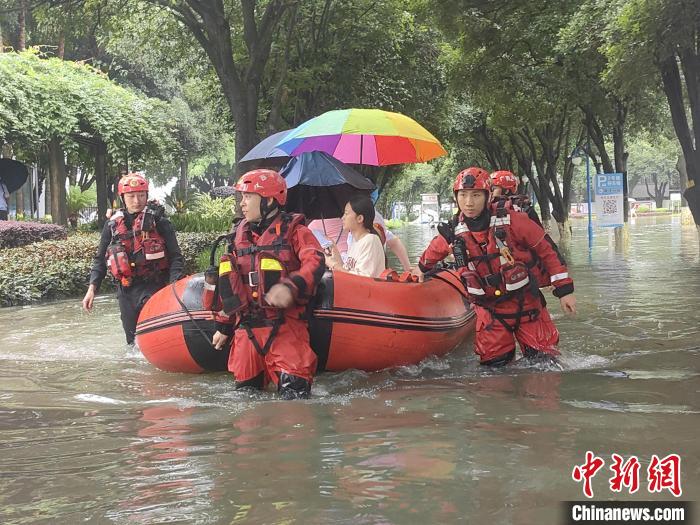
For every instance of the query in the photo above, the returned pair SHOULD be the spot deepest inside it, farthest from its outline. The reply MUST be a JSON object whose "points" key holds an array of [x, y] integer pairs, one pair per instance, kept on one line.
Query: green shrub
{"points": [[88, 227], [203, 259], [192, 245], [77, 200], [643, 209], [20, 233], [45, 270], [57, 269], [394, 223], [207, 214], [180, 200]]}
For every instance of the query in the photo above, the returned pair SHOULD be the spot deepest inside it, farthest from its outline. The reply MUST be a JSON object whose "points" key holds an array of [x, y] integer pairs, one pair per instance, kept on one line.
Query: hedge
{"points": [[56, 269], [19, 233]]}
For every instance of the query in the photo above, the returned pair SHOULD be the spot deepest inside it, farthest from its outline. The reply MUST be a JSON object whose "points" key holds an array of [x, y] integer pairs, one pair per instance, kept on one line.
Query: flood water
{"points": [[90, 432]]}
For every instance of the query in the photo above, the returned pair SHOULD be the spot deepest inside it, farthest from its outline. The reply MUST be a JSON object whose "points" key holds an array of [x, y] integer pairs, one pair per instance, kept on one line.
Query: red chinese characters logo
{"points": [[662, 474], [626, 474], [586, 472], [665, 474]]}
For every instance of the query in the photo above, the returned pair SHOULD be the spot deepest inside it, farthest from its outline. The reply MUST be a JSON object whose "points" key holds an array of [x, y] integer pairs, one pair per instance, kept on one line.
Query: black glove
{"points": [[445, 229]]}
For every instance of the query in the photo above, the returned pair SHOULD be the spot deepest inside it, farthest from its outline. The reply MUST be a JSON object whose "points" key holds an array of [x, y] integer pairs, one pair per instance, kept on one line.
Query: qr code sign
{"points": [[610, 206]]}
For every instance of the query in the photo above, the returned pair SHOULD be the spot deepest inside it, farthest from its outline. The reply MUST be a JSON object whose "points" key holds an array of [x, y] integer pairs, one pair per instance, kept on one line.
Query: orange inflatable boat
{"points": [[355, 322]]}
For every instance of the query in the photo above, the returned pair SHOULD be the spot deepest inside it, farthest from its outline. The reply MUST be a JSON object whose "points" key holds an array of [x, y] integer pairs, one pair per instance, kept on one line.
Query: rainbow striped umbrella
{"points": [[364, 136]]}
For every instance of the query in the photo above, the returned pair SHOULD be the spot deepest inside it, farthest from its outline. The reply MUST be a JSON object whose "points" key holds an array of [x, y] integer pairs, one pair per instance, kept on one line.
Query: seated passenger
{"points": [[390, 241], [366, 255]]}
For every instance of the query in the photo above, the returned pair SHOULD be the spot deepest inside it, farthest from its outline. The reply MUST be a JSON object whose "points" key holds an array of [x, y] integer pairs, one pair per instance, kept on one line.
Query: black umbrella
{"points": [[265, 154], [13, 173], [223, 191], [319, 185]]}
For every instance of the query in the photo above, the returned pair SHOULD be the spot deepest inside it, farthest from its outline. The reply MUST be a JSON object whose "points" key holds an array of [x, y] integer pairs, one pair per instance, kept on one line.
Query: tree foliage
{"points": [[661, 36], [48, 98], [513, 84]]}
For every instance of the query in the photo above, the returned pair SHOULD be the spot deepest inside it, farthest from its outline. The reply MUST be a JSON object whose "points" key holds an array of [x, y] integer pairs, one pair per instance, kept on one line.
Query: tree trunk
{"points": [[22, 21], [19, 203], [674, 95], [683, 177], [182, 183], [240, 82], [549, 138], [596, 135], [564, 231], [660, 196], [538, 181], [246, 126], [101, 181], [621, 155], [46, 182], [692, 195], [61, 51], [57, 174], [525, 161], [659, 190]]}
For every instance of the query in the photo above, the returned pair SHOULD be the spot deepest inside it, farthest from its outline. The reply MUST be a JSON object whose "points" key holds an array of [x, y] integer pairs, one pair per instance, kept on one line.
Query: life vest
{"points": [[521, 203], [497, 268], [136, 252], [498, 271], [250, 269]]}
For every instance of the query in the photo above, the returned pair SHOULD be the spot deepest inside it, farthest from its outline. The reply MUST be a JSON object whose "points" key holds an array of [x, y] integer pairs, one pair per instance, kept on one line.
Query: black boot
{"points": [[293, 387], [537, 357], [501, 360], [530, 353], [256, 382]]}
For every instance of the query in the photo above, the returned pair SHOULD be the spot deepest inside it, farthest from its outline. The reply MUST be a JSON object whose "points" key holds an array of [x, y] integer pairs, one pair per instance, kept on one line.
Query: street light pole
{"points": [[588, 189]]}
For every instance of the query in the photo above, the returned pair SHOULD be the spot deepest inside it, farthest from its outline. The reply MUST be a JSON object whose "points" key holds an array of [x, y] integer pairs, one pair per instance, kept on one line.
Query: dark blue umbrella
{"points": [[265, 153], [319, 185], [13, 173]]}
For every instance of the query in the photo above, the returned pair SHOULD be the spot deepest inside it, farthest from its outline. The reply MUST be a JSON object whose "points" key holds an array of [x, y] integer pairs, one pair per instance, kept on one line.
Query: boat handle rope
{"points": [[438, 277], [194, 322]]}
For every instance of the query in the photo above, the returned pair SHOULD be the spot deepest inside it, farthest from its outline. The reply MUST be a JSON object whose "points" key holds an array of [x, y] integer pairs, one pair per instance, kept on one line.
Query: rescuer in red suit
{"points": [[139, 248], [495, 251], [504, 194], [271, 270]]}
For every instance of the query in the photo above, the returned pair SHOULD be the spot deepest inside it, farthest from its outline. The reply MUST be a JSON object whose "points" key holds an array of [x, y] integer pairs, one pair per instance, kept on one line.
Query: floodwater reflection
{"points": [[91, 432]]}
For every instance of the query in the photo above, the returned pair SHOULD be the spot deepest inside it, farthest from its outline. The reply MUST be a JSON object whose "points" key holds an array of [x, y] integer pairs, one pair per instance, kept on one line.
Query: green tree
{"points": [[237, 38], [641, 49], [505, 68], [77, 200], [652, 165], [59, 105]]}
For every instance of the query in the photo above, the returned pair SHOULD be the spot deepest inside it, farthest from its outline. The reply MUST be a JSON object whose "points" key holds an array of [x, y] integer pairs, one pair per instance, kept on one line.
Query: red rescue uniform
{"points": [[268, 342], [505, 293]]}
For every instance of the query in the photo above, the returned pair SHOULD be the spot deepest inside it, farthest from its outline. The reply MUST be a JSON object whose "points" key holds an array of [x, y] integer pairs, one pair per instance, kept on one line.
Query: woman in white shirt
{"points": [[366, 255]]}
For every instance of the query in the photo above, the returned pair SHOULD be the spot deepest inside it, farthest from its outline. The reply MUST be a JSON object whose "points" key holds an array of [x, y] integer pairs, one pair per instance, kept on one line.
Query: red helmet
{"points": [[506, 180], [472, 179], [131, 183], [266, 183]]}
